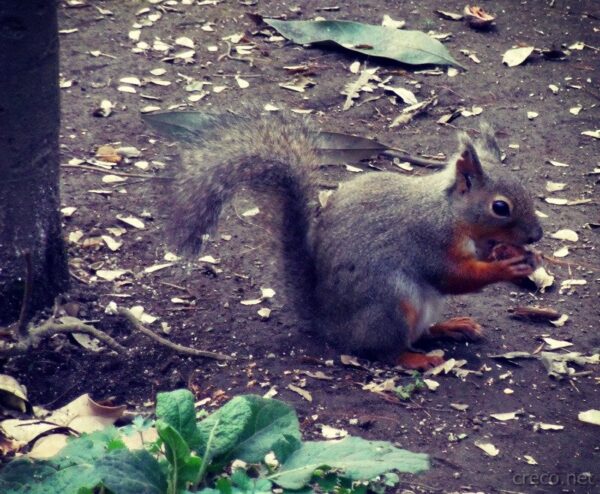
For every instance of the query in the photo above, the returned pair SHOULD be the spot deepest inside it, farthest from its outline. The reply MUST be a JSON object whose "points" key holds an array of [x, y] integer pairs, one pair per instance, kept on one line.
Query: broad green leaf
{"points": [[27, 477], [87, 448], [249, 427], [354, 457], [184, 467], [176, 408], [409, 47], [176, 449], [131, 472]]}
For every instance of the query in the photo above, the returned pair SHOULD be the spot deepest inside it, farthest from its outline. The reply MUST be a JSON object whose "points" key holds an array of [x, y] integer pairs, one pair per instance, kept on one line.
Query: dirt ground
{"points": [[201, 305]]}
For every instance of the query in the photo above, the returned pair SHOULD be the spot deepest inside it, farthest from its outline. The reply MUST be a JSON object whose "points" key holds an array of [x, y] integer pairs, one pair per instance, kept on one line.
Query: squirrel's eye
{"points": [[501, 208]]}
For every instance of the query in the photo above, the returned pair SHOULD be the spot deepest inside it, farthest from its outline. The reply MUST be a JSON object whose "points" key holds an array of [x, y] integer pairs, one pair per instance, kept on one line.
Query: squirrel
{"points": [[374, 265]]}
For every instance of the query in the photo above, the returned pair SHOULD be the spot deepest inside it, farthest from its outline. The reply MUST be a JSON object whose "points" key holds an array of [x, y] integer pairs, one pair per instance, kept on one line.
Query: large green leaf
{"points": [[184, 467], [44, 477], [88, 448], [176, 408], [131, 472], [409, 47], [248, 428], [354, 457]]}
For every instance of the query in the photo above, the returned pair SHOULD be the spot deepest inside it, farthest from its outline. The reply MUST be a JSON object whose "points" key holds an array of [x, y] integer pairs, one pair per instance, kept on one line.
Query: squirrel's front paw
{"points": [[514, 268], [418, 361]]}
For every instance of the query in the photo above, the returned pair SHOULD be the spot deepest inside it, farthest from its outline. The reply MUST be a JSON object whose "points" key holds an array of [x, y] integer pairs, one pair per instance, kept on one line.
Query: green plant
{"points": [[405, 392], [194, 457]]}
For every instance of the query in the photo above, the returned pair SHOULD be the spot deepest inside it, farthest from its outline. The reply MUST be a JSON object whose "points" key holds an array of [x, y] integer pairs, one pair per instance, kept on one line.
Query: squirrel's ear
{"points": [[488, 137], [468, 167]]}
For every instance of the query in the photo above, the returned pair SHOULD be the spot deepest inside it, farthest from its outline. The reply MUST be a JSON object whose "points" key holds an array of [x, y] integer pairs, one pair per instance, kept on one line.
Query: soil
{"points": [[274, 352]]}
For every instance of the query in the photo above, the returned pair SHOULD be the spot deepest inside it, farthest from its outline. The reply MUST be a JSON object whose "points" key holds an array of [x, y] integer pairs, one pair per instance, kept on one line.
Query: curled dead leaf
{"points": [[478, 18]]}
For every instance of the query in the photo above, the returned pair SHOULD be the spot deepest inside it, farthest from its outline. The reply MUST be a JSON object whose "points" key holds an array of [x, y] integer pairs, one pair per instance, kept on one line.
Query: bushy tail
{"points": [[270, 152]]}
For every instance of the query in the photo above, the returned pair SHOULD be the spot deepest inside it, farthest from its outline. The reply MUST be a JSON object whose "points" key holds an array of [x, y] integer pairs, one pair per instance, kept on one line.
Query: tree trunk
{"points": [[30, 222]]}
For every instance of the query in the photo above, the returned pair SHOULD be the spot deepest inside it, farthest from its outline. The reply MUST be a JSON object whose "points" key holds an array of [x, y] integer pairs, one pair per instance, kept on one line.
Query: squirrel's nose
{"points": [[536, 235]]}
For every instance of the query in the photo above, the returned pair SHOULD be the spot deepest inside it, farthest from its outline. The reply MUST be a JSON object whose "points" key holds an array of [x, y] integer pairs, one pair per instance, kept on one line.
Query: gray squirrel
{"points": [[374, 265]]}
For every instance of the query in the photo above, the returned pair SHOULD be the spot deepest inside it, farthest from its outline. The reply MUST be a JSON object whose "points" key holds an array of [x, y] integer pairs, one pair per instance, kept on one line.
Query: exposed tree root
{"points": [[26, 336]]}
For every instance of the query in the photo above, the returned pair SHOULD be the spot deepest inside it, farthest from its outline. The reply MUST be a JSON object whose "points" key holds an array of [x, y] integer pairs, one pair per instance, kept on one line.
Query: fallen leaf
{"points": [[267, 293], [132, 80], [542, 279], [302, 392], [110, 274], [392, 23], [404, 94], [132, 221], [556, 344], [410, 47], [264, 312], [568, 284], [431, 384], [560, 322], [478, 18], [12, 394], [329, 432], [592, 133], [353, 89], [451, 16], [209, 259], [557, 163], [565, 234], [590, 417], [350, 360], [556, 363], [113, 179], [575, 110], [141, 315], [555, 186], [562, 252], [68, 211], [185, 42], [104, 110], [488, 448], [548, 427], [157, 267], [503, 417], [127, 89], [516, 56], [86, 341], [242, 83]]}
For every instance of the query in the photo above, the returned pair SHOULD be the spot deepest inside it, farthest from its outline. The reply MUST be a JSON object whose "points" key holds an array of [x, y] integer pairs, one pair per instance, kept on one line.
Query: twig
{"points": [[560, 262], [114, 172], [21, 326], [173, 285], [231, 57], [169, 344], [50, 328]]}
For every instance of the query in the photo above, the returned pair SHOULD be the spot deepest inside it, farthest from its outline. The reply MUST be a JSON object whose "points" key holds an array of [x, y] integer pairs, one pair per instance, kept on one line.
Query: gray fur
{"points": [[382, 238]]}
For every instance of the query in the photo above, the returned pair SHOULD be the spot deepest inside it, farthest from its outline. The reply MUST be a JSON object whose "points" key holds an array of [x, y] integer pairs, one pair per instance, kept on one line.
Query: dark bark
{"points": [[29, 161]]}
